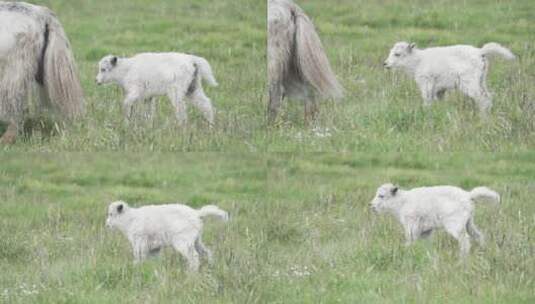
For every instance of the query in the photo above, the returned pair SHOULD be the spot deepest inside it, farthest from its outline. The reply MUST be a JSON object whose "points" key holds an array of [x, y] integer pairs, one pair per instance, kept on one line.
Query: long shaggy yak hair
{"points": [[35, 53], [297, 64]]}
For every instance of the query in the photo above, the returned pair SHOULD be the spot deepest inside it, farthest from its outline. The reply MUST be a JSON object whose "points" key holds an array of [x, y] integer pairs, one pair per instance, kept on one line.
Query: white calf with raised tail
{"points": [[150, 228], [422, 210], [147, 75], [439, 69]]}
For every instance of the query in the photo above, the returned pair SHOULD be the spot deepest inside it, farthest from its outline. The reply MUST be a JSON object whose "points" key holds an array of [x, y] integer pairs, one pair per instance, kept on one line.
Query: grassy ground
{"points": [[300, 230], [382, 112], [229, 34]]}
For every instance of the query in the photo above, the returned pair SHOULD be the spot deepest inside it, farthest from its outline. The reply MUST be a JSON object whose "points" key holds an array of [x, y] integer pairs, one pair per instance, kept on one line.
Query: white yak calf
{"points": [[150, 228], [439, 69], [175, 75], [422, 210]]}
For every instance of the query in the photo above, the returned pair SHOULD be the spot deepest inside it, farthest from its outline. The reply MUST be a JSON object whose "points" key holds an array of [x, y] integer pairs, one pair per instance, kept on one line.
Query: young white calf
{"points": [[439, 69], [147, 75], [149, 228], [421, 210]]}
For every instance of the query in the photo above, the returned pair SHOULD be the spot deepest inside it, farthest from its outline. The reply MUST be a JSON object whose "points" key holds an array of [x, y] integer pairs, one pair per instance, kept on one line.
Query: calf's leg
{"points": [[474, 232], [203, 251], [189, 252], [202, 102], [177, 99], [128, 103], [458, 231]]}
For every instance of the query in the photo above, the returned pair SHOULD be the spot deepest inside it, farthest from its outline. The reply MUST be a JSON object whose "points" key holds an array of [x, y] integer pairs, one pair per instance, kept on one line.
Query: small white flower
{"points": [[322, 132]]}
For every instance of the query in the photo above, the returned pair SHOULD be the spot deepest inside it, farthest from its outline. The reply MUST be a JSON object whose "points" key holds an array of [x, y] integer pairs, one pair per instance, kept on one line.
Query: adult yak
{"points": [[35, 60], [297, 64]]}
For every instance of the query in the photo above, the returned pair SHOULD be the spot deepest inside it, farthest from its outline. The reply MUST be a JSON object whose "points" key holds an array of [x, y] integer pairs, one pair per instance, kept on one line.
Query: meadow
{"points": [[300, 229], [382, 110], [229, 34]]}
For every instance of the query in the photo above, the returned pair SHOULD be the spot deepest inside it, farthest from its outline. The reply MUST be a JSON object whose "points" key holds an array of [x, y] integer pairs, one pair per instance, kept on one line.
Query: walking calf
{"points": [[421, 210], [150, 228], [148, 75], [439, 69]]}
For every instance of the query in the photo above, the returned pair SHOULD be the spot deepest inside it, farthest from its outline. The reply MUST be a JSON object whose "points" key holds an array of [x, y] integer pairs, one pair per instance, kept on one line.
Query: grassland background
{"points": [[382, 111], [229, 34], [300, 229]]}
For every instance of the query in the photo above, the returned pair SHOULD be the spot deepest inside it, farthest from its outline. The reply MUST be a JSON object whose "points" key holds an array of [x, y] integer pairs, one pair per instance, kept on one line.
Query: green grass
{"points": [[300, 229], [229, 34], [382, 111]]}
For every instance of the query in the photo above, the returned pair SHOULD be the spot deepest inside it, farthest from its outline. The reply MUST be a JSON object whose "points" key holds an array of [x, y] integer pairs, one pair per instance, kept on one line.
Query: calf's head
{"points": [[384, 198], [106, 69], [116, 211], [399, 55]]}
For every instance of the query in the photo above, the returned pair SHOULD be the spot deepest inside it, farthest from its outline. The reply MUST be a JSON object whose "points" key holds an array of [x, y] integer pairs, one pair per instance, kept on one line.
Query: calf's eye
{"points": [[397, 54]]}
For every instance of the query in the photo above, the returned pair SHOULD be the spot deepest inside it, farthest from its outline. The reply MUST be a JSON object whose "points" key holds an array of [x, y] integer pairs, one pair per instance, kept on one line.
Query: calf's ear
{"points": [[412, 46], [113, 60], [120, 208], [394, 190]]}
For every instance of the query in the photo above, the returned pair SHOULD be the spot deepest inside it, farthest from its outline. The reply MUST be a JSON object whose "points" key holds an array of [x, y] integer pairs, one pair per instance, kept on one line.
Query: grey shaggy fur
{"points": [[297, 64], [40, 57]]}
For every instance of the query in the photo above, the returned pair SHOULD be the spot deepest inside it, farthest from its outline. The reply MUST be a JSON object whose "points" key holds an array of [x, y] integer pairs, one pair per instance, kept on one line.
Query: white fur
{"points": [[147, 75], [439, 69], [421, 210], [150, 228], [11, 26], [36, 64]]}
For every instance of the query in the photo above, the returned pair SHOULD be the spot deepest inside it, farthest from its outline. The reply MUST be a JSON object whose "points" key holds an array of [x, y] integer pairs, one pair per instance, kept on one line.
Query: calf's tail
{"points": [[205, 70], [480, 194], [211, 210], [494, 48]]}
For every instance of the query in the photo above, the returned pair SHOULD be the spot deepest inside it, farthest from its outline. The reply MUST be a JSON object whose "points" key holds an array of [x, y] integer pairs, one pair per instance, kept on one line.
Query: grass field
{"points": [[300, 230], [229, 34], [382, 111]]}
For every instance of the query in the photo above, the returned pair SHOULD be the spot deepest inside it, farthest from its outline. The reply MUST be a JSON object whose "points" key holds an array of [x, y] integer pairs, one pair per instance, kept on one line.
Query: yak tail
{"points": [[59, 72], [206, 70], [494, 48], [484, 194], [312, 61], [214, 211]]}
